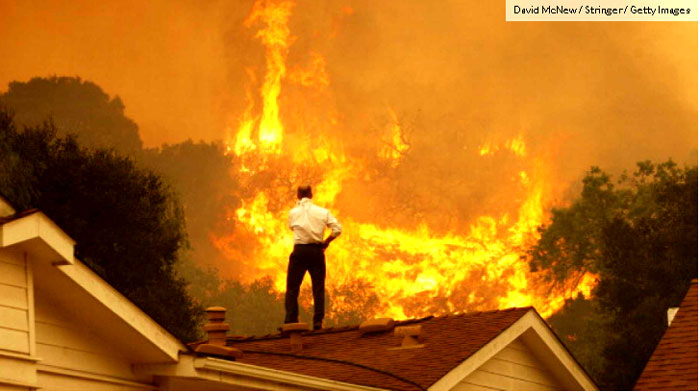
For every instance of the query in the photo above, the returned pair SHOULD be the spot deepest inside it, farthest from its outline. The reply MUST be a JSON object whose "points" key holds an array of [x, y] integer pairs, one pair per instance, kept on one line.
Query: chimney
{"points": [[410, 334], [671, 314], [216, 331], [294, 331]]}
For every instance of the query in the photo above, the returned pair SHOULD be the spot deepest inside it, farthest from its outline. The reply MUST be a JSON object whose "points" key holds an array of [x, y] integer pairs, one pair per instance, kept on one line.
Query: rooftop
{"points": [[343, 354], [674, 363]]}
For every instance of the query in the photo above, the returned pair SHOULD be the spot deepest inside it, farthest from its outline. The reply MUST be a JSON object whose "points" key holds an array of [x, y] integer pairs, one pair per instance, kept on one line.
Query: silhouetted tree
{"points": [[75, 106], [640, 237], [201, 175], [127, 224]]}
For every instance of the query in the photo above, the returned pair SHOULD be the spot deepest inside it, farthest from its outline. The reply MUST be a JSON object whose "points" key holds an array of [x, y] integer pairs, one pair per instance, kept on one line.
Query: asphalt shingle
{"points": [[674, 363], [345, 355]]}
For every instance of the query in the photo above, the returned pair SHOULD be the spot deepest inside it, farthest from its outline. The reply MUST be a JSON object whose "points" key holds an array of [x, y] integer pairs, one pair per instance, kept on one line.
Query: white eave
{"points": [[36, 234], [83, 290]]}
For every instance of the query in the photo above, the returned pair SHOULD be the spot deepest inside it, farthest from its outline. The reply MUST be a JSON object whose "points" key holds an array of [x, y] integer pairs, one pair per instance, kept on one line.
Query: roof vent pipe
{"points": [[410, 334], [294, 331], [216, 329]]}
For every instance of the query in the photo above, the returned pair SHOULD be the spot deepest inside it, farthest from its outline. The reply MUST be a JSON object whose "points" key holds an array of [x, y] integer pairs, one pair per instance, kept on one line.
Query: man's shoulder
{"points": [[319, 209], [309, 206]]}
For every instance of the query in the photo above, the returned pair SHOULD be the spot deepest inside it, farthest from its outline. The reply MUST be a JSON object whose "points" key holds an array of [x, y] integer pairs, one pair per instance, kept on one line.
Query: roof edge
{"points": [[25, 228], [21, 229], [126, 310]]}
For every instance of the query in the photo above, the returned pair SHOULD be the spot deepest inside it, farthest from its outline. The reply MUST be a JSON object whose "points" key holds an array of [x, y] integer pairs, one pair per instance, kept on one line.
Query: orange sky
{"points": [[179, 67]]}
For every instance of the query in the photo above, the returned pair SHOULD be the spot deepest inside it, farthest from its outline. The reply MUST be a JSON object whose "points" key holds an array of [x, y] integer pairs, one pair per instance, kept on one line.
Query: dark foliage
{"points": [[201, 175], [127, 224], [75, 106], [640, 237]]}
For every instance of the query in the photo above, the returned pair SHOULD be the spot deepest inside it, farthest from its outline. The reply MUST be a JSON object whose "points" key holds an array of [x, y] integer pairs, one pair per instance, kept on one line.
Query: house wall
{"points": [[513, 368], [17, 360], [73, 357], [43, 347]]}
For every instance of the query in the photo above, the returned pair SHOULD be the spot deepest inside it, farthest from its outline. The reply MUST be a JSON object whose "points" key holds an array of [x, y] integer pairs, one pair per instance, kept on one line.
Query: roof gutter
{"points": [[275, 376], [238, 375]]}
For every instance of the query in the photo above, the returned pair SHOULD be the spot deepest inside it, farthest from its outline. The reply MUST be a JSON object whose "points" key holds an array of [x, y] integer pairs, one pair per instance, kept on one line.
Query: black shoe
{"points": [[318, 326]]}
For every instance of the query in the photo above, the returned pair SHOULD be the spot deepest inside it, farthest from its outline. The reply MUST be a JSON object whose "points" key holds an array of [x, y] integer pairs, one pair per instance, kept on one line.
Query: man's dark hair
{"points": [[304, 191]]}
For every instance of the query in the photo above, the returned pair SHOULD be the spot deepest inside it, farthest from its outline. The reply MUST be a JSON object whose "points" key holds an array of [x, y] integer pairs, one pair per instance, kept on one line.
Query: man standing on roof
{"points": [[308, 222]]}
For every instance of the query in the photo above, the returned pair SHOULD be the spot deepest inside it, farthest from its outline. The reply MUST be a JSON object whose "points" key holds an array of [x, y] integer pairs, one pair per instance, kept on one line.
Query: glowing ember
{"points": [[413, 271]]}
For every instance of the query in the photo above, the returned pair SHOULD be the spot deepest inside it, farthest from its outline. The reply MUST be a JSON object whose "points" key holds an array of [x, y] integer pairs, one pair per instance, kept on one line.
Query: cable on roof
{"points": [[339, 361]]}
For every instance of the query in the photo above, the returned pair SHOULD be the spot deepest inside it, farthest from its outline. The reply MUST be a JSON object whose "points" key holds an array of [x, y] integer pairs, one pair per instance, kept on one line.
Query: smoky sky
{"points": [[455, 72]]}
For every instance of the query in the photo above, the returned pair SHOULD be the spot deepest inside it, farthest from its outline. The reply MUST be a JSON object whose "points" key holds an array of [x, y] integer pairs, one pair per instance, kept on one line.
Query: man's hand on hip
{"points": [[327, 241]]}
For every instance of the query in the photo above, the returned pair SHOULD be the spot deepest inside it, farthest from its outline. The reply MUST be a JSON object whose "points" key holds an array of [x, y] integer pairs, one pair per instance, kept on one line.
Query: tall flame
{"points": [[413, 271], [276, 38]]}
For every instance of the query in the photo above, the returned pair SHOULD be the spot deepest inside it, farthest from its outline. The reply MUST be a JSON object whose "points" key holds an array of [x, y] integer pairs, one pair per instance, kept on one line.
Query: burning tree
{"points": [[425, 262]]}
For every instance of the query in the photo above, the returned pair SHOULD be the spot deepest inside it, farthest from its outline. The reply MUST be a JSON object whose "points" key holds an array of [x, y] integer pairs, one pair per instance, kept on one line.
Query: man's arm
{"points": [[335, 227]]}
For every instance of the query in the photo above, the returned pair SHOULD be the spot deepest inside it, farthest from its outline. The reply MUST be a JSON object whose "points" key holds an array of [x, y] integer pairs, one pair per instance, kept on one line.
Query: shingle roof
{"points": [[342, 354], [674, 363]]}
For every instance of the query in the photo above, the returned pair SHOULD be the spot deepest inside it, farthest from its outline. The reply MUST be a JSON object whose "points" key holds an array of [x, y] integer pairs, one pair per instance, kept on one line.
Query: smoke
{"points": [[457, 76], [180, 67]]}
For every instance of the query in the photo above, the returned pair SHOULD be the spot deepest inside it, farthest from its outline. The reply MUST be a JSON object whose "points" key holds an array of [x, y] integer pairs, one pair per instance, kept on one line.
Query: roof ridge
{"points": [[477, 312], [346, 328]]}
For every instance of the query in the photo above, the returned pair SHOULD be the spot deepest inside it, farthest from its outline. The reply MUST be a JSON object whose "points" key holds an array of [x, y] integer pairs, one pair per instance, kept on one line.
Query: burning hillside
{"points": [[400, 236]]}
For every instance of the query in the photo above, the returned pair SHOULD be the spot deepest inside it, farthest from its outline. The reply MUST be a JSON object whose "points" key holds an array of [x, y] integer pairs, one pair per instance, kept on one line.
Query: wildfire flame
{"points": [[413, 271]]}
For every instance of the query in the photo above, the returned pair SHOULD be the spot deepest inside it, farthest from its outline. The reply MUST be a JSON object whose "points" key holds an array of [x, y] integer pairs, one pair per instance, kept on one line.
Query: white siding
{"points": [[17, 361], [513, 368], [77, 358], [15, 282]]}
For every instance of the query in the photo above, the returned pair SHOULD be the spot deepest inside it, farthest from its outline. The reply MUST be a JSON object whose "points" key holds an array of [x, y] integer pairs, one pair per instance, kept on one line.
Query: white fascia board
{"points": [[37, 234], [531, 321], [39, 226], [123, 308], [576, 375], [27, 230]]}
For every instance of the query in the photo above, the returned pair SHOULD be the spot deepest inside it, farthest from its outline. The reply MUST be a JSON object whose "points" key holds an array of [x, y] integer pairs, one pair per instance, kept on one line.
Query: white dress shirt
{"points": [[308, 222]]}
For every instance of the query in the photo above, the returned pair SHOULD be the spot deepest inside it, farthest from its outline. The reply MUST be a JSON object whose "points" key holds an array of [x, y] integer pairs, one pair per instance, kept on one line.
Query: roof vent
{"points": [[294, 331], [216, 329], [376, 325], [410, 334]]}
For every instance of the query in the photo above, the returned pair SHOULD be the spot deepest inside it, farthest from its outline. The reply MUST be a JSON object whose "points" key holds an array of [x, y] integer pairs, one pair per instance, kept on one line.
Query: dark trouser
{"points": [[308, 257]]}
